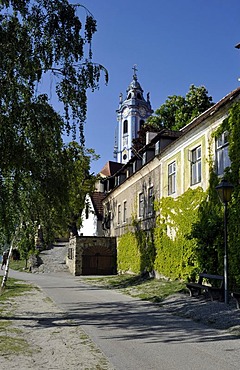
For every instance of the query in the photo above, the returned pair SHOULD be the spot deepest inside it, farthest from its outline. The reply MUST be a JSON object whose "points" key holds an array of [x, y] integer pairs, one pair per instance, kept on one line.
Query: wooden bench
{"points": [[213, 290], [236, 296]]}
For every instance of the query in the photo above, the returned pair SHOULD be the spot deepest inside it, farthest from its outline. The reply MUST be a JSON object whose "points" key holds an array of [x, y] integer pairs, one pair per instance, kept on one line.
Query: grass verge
{"points": [[11, 342], [145, 288], [19, 265], [14, 288], [11, 345]]}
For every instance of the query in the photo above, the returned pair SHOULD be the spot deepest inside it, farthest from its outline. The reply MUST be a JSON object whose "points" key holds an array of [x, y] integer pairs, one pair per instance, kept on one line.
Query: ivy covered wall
{"points": [[128, 254], [232, 126], [136, 251], [175, 251], [188, 235]]}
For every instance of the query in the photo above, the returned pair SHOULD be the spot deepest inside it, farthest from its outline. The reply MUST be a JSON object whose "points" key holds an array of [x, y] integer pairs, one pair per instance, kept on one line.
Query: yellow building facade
{"points": [[170, 164]]}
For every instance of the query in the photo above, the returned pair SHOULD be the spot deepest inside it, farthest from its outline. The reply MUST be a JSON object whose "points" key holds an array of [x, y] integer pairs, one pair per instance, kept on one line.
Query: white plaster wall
{"points": [[89, 225]]}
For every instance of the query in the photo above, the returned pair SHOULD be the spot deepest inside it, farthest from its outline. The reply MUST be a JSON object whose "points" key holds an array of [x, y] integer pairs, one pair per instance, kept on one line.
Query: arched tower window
{"points": [[141, 124], [125, 127]]}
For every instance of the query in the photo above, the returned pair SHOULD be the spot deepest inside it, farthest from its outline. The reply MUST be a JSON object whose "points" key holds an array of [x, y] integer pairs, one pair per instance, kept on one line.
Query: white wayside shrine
{"points": [[131, 115]]}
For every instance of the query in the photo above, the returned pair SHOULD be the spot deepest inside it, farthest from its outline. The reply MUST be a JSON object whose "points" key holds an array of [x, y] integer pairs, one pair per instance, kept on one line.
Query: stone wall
{"points": [[92, 255]]}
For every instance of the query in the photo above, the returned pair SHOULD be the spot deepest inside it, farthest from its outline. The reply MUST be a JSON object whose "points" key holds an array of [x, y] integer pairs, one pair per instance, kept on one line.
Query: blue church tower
{"points": [[131, 115]]}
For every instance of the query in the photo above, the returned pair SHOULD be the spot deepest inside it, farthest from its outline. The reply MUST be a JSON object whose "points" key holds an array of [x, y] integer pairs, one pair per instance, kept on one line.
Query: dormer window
{"points": [[117, 180], [139, 96], [129, 96]]}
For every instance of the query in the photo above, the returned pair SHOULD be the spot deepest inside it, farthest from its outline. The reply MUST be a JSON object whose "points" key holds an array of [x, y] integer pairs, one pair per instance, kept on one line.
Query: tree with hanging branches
{"points": [[40, 38], [42, 41]]}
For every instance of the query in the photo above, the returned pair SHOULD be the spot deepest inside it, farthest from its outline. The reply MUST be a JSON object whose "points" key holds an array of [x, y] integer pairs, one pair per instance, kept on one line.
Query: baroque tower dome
{"points": [[131, 115]]}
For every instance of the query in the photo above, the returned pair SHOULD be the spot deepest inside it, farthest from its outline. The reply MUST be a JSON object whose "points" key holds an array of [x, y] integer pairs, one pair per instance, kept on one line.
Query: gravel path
{"points": [[44, 338], [53, 260]]}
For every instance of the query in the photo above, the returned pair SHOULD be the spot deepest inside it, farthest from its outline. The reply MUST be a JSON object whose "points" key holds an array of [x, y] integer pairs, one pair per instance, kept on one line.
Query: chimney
{"points": [[150, 136]]}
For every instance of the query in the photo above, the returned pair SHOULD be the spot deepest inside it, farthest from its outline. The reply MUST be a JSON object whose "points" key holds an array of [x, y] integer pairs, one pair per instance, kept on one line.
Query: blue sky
{"points": [[174, 43]]}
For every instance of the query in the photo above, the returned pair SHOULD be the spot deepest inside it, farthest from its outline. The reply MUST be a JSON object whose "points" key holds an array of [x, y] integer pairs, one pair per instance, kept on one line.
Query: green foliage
{"points": [[178, 111], [140, 141], [128, 254], [18, 265], [9, 342], [80, 182], [26, 243], [42, 38], [136, 250], [208, 231], [232, 125], [145, 245], [175, 113], [143, 287], [14, 288], [188, 237], [11, 345], [209, 228], [43, 42], [175, 252]]}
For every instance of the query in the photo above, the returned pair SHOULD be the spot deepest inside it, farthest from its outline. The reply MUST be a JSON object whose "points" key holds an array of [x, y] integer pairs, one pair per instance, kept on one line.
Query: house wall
{"points": [[129, 192], [155, 173], [91, 226]]}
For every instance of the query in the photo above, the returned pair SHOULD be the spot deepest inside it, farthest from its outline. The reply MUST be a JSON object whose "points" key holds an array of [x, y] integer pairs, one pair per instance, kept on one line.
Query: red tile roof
{"points": [[110, 168], [97, 198]]}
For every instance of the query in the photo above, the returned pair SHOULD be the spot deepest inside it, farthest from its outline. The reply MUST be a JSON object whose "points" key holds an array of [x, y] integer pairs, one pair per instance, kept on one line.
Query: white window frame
{"points": [[196, 165], [125, 211], [222, 157], [157, 147], [141, 205], [119, 214], [150, 201], [172, 178], [144, 158]]}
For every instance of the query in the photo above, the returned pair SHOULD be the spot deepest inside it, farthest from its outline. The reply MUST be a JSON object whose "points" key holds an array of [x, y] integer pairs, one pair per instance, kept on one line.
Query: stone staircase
{"points": [[53, 259]]}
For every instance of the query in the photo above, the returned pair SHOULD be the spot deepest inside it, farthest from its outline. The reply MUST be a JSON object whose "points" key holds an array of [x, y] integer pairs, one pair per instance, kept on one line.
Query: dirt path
{"points": [[44, 337]]}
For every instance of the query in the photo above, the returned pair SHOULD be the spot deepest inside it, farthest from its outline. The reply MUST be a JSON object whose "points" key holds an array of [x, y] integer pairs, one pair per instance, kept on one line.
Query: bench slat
{"points": [[210, 289], [210, 276]]}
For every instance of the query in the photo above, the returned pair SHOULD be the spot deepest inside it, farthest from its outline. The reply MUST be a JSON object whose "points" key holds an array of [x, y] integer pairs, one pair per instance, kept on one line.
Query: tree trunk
{"points": [[5, 277]]}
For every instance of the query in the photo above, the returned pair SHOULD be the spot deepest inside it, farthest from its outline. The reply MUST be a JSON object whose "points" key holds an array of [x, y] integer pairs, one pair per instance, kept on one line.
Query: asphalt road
{"points": [[137, 335]]}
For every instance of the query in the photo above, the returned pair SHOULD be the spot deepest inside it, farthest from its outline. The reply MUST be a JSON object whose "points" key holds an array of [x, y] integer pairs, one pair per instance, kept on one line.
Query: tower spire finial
{"points": [[135, 72]]}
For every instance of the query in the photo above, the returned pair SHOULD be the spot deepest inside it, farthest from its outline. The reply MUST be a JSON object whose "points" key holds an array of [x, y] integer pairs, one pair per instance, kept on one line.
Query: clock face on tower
{"points": [[142, 111], [125, 111]]}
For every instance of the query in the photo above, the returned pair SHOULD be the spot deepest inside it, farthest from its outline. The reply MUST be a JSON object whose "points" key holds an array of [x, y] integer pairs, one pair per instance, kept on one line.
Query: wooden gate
{"points": [[98, 261]]}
